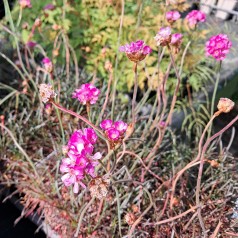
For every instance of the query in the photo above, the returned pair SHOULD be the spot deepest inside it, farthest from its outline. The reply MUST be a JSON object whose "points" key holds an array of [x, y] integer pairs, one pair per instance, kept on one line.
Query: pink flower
{"points": [[113, 134], [121, 126], [47, 64], [49, 7], [80, 160], [172, 16], [31, 44], [25, 3], [195, 17], [176, 39], [136, 51], [87, 93], [163, 37], [106, 124], [218, 46], [114, 130]]}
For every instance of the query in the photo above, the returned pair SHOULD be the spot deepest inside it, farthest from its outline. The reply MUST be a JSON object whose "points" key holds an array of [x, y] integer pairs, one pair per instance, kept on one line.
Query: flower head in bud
{"points": [[49, 7], [163, 37], [48, 109], [108, 66], [31, 44], [25, 3], [225, 105], [46, 92], [98, 187], [218, 46], [176, 41], [136, 51], [47, 64], [172, 16], [37, 22]]}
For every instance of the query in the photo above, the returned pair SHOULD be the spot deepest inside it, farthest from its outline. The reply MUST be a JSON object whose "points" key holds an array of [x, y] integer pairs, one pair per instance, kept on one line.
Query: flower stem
{"points": [[215, 91], [134, 97]]}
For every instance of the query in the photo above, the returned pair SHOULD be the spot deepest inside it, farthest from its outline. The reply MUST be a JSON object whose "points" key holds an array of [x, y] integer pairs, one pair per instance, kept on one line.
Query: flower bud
{"points": [[47, 65], [37, 22]]}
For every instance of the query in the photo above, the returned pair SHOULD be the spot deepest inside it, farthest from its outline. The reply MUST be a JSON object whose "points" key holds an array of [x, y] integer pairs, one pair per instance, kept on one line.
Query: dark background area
{"points": [[23, 229]]}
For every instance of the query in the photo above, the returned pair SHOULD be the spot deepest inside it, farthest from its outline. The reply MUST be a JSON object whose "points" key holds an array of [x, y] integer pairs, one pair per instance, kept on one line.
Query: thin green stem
{"points": [[19, 17], [116, 63]]}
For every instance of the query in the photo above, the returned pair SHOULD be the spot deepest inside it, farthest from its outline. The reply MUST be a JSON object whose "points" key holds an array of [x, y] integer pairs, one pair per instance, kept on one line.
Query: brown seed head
{"points": [[98, 187]]}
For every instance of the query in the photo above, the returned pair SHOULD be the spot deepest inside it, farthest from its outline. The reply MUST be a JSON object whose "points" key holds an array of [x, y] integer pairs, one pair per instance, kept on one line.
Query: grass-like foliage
{"points": [[93, 161]]}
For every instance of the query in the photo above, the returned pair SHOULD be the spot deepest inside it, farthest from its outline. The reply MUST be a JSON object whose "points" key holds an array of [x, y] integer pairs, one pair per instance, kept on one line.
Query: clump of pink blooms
{"points": [[172, 16], [165, 37], [218, 46], [87, 94], [25, 3], [80, 160], [136, 51], [115, 131], [194, 17], [47, 64]]}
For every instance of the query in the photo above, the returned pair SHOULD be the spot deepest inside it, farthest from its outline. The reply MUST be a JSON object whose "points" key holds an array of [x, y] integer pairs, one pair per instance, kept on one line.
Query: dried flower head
{"points": [[194, 17], [25, 3], [163, 37], [46, 92], [98, 187], [87, 93], [218, 46], [47, 64], [225, 105], [172, 16], [130, 218], [136, 51]]}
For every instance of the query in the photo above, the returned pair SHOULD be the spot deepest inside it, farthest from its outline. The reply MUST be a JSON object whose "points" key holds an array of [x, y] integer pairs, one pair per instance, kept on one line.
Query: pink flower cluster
{"points": [[218, 46], [194, 17], [172, 16], [80, 160], [25, 3], [136, 51], [114, 130], [47, 64], [165, 37], [87, 93]]}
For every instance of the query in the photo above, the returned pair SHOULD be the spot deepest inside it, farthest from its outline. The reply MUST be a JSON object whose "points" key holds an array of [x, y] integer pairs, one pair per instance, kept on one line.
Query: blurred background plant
{"points": [[90, 30]]}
